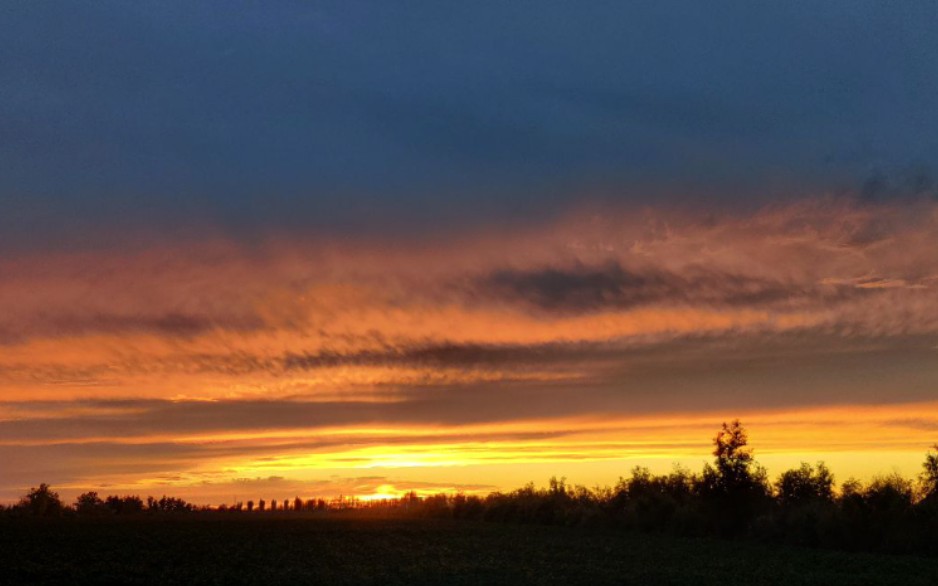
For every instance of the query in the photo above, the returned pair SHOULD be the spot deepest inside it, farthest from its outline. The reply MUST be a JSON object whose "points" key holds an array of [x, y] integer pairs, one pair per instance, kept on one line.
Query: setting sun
{"points": [[342, 276]]}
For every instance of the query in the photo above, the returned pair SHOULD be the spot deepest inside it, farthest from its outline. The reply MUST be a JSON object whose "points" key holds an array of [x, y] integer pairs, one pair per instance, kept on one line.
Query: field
{"points": [[266, 549]]}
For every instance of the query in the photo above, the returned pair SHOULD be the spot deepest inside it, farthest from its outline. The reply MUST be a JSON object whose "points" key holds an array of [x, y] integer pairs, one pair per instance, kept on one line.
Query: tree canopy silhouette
{"points": [[89, 503], [735, 488], [929, 477], [805, 484], [42, 501]]}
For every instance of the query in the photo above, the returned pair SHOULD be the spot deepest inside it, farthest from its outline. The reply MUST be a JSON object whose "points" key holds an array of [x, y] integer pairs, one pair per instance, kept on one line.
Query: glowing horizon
{"points": [[337, 248], [588, 346]]}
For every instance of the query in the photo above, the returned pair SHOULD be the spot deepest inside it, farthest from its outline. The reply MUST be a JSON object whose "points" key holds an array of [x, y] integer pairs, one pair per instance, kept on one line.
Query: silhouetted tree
{"points": [[261, 505], [168, 504], [89, 503], [250, 506], [890, 492], [736, 489], [734, 459], [557, 487], [297, 504], [806, 512], [286, 504], [42, 501], [467, 507], [805, 484], [649, 502], [409, 500], [929, 476], [880, 517], [124, 505]]}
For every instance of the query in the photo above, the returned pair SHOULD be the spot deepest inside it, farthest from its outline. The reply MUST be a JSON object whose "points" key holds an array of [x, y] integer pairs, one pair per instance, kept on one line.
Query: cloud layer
{"points": [[220, 354]]}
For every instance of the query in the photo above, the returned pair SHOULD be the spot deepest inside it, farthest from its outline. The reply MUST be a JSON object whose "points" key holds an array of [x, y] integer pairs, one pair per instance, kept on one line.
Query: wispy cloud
{"points": [[822, 301]]}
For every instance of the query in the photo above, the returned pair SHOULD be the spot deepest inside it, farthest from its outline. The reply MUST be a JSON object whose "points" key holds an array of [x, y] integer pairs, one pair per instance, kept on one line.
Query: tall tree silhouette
{"points": [[733, 458], [735, 487]]}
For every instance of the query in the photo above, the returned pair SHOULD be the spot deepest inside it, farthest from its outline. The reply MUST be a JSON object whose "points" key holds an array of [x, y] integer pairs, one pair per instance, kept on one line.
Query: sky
{"points": [[261, 250]]}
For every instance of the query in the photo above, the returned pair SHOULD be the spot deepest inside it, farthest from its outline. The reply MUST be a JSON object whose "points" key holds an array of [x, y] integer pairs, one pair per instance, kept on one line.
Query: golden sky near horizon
{"points": [[582, 347]]}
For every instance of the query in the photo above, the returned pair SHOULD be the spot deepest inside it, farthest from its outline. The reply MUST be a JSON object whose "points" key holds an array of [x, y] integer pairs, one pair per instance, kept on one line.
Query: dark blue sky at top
{"points": [[259, 115]]}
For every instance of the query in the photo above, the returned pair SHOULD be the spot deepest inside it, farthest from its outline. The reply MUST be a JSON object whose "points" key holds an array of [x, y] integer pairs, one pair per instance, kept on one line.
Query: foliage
{"points": [[89, 503], [124, 505], [929, 476], [734, 491], [41, 502], [167, 505], [730, 498], [805, 485]]}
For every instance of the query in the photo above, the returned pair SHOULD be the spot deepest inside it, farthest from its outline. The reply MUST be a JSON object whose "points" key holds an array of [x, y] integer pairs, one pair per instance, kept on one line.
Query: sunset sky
{"points": [[260, 250]]}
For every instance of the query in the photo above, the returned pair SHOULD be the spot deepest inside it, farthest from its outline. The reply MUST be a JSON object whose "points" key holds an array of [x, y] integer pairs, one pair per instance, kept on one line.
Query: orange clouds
{"points": [[602, 316], [189, 454]]}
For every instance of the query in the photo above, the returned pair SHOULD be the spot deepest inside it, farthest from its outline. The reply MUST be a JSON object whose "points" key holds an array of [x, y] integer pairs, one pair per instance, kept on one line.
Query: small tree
{"points": [[89, 503], [250, 506], [42, 501], [805, 484], [261, 505]]}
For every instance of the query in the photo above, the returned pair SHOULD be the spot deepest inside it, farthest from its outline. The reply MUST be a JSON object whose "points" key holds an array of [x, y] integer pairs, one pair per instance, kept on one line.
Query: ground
{"points": [[271, 549]]}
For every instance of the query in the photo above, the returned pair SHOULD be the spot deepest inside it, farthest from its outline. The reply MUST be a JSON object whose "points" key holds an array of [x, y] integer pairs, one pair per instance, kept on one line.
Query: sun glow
{"points": [[588, 345], [382, 493]]}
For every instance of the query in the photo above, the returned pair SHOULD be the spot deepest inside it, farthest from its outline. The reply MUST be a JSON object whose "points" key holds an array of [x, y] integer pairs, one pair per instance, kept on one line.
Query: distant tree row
{"points": [[732, 498], [297, 504], [44, 502]]}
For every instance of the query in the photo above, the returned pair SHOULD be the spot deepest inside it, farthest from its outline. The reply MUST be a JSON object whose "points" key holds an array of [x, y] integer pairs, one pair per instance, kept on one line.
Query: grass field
{"points": [[266, 549]]}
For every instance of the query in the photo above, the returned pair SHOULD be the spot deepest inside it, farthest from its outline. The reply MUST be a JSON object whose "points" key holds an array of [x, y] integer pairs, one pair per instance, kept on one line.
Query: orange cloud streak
{"points": [[559, 327]]}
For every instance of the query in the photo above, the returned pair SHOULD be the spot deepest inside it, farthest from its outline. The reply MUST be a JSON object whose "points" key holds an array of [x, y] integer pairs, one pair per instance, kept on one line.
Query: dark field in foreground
{"points": [[269, 549]]}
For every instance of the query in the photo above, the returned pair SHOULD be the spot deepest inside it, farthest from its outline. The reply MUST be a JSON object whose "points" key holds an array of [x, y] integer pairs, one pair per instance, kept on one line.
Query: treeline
{"points": [[44, 502], [732, 498]]}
